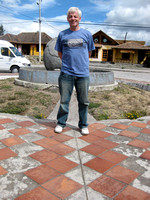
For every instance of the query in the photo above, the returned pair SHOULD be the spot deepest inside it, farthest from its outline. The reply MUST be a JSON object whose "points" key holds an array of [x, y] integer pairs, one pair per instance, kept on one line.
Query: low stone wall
{"points": [[136, 84], [42, 78]]}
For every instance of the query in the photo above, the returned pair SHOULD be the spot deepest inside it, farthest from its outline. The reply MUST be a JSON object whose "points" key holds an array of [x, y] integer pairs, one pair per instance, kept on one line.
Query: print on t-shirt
{"points": [[74, 43]]}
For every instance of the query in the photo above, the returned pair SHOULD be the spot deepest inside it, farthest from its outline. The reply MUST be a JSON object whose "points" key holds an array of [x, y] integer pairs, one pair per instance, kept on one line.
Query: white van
{"points": [[10, 58]]}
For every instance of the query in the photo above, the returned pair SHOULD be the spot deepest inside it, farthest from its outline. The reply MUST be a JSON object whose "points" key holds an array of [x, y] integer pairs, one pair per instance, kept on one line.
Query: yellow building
{"points": [[28, 42], [118, 51]]}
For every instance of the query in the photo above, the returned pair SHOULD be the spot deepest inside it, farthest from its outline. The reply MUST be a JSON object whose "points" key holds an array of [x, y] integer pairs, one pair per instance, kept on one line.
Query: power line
{"points": [[106, 24], [17, 22], [84, 23], [51, 26], [13, 11], [117, 25]]}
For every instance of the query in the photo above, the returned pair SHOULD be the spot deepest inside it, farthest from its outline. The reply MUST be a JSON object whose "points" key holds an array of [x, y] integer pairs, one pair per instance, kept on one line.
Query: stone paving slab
{"points": [[111, 163]]}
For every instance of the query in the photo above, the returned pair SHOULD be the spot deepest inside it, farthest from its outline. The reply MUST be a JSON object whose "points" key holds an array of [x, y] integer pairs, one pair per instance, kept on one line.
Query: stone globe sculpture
{"points": [[51, 58]]}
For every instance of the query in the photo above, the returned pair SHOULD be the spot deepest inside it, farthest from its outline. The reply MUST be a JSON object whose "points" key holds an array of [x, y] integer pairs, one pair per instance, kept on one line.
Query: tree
{"points": [[2, 30]]}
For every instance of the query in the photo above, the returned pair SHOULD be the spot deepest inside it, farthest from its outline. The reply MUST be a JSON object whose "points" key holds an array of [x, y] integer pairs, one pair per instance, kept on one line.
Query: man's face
{"points": [[73, 19]]}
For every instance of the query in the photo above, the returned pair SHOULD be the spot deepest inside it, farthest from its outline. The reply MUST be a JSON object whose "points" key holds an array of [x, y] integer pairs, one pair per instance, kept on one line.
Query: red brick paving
{"points": [[1, 127], [106, 143], [44, 156], [94, 149], [62, 186], [120, 126], [62, 137], [6, 153], [50, 125], [12, 141], [101, 133], [130, 134], [139, 143], [95, 126], [107, 186], [3, 171], [46, 142], [19, 131], [138, 124], [90, 138], [99, 164], [62, 149], [38, 193], [146, 155], [25, 123], [122, 174], [115, 181], [42, 174], [62, 164], [131, 193], [146, 130], [113, 156], [47, 132], [6, 120]]}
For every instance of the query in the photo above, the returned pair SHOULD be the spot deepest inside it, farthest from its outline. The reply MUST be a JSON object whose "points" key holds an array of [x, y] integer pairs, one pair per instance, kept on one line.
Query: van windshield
{"points": [[16, 52]]}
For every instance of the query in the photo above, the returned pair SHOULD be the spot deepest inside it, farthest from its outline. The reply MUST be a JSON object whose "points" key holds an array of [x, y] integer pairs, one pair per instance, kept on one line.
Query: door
{"points": [[105, 55], [5, 58]]}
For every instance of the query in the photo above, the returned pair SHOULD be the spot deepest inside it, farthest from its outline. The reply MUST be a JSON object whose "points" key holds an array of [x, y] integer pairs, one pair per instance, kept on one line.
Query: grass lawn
{"points": [[122, 102]]}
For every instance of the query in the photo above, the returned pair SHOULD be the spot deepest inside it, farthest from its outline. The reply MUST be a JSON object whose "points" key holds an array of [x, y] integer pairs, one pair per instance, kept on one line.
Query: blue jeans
{"points": [[66, 85]]}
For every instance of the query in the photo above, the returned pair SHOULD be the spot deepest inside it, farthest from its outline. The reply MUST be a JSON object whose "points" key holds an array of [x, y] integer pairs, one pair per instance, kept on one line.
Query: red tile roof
{"points": [[131, 45], [27, 38]]}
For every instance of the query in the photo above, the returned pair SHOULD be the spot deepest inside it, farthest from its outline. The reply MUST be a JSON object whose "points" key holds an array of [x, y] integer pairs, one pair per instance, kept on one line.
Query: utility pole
{"points": [[125, 37], [39, 3]]}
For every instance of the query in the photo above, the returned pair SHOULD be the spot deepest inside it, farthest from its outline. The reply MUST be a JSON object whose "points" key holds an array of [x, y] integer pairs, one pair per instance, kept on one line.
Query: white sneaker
{"points": [[58, 129], [84, 131]]}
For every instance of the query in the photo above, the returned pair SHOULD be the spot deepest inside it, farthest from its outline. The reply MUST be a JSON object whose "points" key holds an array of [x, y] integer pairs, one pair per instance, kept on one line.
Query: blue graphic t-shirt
{"points": [[75, 47]]}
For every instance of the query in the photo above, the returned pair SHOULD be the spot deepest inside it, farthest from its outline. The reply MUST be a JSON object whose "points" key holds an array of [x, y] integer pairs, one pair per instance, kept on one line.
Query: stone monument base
{"points": [[41, 78]]}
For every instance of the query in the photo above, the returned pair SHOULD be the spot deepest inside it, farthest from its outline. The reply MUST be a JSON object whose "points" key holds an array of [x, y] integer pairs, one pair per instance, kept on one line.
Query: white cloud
{"points": [[102, 5], [28, 5], [16, 26], [134, 4], [129, 15], [126, 12]]}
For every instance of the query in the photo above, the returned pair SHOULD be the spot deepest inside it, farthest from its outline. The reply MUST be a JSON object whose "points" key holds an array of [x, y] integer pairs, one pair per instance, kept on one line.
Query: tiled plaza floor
{"points": [[112, 162]]}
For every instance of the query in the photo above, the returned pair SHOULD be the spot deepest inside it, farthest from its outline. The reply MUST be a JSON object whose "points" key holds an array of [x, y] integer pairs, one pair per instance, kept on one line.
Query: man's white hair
{"points": [[74, 9]]}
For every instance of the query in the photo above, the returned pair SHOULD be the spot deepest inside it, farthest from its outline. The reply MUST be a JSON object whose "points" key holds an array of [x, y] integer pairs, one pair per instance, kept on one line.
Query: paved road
{"points": [[141, 74]]}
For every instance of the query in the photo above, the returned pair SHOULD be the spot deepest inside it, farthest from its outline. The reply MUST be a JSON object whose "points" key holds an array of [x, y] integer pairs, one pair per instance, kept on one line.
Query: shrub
{"points": [[40, 116], [12, 109], [94, 105], [134, 114], [103, 116]]}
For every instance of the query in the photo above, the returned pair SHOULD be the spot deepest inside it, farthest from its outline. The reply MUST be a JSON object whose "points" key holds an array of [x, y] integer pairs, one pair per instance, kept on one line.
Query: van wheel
{"points": [[15, 69]]}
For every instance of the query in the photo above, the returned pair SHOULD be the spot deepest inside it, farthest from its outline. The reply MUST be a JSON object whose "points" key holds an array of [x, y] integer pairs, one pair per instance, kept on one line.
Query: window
{"points": [[96, 40], [37, 47], [105, 54], [125, 56], [4, 51], [105, 40]]}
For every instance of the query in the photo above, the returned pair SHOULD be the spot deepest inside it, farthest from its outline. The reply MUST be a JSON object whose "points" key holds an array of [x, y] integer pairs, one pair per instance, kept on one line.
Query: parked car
{"points": [[10, 58]]}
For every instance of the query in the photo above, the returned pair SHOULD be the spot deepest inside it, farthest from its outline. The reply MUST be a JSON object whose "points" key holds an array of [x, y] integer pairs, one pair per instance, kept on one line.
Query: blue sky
{"points": [[114, 17]]}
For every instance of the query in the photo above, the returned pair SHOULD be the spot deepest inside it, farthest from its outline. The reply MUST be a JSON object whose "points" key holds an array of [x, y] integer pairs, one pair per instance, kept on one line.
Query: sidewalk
{"points": [[113, 162]]}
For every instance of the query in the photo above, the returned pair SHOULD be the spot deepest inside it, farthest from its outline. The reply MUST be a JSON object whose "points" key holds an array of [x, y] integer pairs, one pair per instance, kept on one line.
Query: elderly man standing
{"points": [[74, 46]]}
